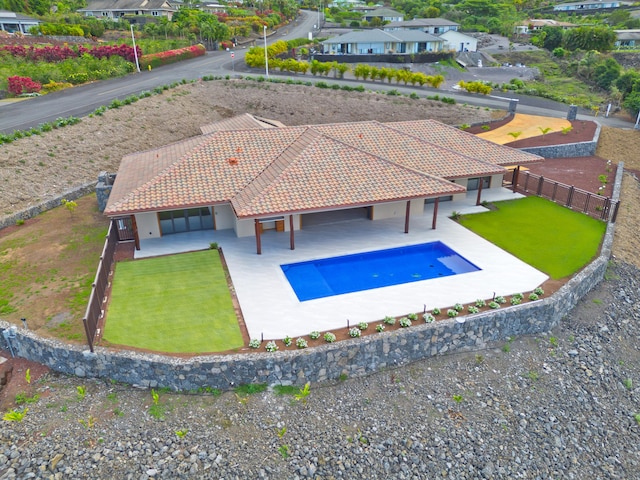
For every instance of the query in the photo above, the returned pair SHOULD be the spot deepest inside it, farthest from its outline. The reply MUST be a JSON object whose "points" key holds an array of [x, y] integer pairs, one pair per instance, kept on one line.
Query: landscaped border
{"points": [[351, 358]]}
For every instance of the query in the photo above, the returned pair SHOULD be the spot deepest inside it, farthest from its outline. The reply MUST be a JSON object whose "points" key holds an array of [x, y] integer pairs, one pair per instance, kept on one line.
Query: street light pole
{"points": [[135, 52], [266, 58]]}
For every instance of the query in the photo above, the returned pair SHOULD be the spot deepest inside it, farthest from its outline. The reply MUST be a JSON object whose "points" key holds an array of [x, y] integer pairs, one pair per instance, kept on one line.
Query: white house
{"points": [[434, 26], [590, 5], [16, 22], [459, 42], [377, 42], [115, 9]]}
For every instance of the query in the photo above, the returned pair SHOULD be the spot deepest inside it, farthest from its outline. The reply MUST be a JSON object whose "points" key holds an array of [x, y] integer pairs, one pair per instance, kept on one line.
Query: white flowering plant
{"points": [[314, 335], [389, 320], [355, 332], [301, 343], [287, 341], [363, 325], [427, 317], [404, 322], [271, 346], [380, 328], [452, 312], [254, 343], [329, 337]]}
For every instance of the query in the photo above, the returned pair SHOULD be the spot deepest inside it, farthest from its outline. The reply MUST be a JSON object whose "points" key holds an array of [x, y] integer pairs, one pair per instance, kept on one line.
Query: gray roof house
{"points": [[384, 14], [627, 38], [377, 42], [16, 22], [119, 8], [434, 26]]}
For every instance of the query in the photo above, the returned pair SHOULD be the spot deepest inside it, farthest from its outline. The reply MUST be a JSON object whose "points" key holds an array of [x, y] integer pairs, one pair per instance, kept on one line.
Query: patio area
{"points": [[271, 308]]}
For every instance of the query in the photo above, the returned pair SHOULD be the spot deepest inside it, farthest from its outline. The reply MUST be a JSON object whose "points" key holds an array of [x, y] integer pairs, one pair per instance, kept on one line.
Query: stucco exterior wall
{"points": [[148, 225]]}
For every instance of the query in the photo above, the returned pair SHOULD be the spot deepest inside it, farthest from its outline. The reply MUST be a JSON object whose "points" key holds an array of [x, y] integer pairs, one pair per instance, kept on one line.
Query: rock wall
{"points": [[569, 150]]}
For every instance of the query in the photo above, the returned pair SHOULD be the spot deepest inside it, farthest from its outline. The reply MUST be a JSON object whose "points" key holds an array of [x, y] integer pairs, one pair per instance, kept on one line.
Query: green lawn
{"points": [[547, 236], [178, 304]]}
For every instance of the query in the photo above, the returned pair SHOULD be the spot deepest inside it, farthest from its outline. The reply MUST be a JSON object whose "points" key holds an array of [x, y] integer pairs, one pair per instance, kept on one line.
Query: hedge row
{"points": [[171, 56]]}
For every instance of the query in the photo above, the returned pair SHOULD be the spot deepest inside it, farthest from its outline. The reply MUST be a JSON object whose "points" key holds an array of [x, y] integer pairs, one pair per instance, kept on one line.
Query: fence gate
{"points": [[124, 226]]}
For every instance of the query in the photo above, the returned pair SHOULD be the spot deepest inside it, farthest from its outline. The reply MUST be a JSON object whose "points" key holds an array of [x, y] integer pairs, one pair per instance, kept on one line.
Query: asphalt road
{"points": [[84, 99]]}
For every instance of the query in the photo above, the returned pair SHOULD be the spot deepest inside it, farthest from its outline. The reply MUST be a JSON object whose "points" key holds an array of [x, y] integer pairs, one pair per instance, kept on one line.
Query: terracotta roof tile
{"points": [[263, 171]]}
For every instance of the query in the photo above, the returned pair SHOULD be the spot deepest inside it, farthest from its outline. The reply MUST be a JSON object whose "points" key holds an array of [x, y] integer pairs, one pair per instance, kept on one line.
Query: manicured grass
{"points": [[177, 304], [547, 236]]}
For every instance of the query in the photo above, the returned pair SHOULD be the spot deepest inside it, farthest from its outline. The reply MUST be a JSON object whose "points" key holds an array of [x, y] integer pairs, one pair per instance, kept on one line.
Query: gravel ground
{"points": [[558, 405]]}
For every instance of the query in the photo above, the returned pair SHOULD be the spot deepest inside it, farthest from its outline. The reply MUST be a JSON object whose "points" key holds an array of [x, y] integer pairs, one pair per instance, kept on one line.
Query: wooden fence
{"points": [[597, 206], [95, 311]]}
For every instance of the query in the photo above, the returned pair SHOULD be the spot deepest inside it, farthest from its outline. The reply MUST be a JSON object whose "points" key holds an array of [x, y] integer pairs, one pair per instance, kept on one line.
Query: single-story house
{"points": [[384, 14], [16, 22], [592, 5], [459, 41], [627, 38], [534, 24], [434, 26], [115, 9], [251, 175], [377, 42]]}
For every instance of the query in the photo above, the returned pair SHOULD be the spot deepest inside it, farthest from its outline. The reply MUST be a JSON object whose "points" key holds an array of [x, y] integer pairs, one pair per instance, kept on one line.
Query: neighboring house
{"points": [[115, 9], [250, 175], [593, 5], [532, 25], [213, 8], [377, 42], [434, 26], [384, 14], [16, 22], [459, 42], [627, 38]]}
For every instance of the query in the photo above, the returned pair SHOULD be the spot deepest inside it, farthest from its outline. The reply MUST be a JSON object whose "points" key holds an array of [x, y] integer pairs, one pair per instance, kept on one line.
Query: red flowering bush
{"points": [[171, 56], [58, 53], [20, 85]]}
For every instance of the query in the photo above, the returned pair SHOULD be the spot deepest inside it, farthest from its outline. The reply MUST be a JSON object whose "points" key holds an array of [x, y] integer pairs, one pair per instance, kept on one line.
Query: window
{"points": [[474, 183], [190, 220]]}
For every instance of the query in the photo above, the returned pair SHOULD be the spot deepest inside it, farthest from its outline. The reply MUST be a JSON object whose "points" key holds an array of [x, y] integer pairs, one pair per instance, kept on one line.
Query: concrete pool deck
{"points": [[272, 310]]}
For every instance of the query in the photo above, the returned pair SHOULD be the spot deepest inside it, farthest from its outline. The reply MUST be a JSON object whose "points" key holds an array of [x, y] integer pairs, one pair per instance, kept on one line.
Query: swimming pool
{"points": [[381, 268]]}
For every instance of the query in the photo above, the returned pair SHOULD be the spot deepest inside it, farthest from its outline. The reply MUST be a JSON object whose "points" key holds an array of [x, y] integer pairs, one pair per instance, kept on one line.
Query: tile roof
{"points": [[453, 139], [377, 36], [240, 122], [267, 171]]}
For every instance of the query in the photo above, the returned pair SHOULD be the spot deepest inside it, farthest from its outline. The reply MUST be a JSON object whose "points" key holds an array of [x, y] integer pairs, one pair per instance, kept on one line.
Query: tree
{"points": [[627, 80], [600, 39], [606, 73], [553, 38]]}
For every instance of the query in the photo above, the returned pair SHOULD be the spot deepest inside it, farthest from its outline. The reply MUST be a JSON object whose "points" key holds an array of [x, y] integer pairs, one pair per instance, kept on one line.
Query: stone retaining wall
{"points": [[569, 150], [36, 210], [356, 357]]}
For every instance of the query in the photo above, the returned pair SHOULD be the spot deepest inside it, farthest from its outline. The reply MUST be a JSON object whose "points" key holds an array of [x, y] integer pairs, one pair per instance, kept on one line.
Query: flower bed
{"points": [[171, 56]]}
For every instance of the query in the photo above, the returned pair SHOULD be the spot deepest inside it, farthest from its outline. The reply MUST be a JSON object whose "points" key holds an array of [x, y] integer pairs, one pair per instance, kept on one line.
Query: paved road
{"points": [[84, 99]]}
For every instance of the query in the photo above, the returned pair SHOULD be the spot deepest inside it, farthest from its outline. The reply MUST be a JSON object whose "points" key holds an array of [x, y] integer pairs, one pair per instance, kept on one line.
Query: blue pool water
{"points": [[363, 271]]}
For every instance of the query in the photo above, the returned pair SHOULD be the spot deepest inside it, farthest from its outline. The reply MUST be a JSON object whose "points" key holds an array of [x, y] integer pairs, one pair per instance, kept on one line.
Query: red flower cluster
{"points": [[172, 56], [58, 53], [20, 85]]}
